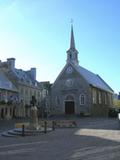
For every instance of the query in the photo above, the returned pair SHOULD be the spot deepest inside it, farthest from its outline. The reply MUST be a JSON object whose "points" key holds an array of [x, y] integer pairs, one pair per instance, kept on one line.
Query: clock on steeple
{"points": [[69, 70]]}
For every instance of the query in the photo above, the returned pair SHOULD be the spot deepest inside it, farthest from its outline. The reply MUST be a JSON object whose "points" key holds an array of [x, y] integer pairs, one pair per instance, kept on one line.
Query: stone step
{"points": [[6, 134], [12, 132], [17, 132]]}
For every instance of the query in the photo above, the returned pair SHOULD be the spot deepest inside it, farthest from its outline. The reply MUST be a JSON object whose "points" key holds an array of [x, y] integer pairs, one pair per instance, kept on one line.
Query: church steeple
{"points": [[72, 53], [72, 42]]}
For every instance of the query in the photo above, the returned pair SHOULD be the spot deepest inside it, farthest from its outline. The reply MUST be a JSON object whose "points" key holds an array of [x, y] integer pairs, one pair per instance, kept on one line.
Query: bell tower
{"points": [[72, 53]]}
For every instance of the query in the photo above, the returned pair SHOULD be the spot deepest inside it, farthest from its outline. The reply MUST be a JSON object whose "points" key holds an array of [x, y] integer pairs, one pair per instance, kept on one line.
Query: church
{"points": [[78, 91]]}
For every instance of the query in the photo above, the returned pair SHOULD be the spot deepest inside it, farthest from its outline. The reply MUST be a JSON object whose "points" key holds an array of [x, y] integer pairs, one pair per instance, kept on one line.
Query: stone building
{"points": [[45, 106], [8, 94], [79, 91], [25, 86]]}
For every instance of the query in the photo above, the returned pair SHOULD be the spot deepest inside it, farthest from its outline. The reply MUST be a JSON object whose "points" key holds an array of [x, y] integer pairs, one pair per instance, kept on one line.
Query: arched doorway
{"points": [[69, 105]]}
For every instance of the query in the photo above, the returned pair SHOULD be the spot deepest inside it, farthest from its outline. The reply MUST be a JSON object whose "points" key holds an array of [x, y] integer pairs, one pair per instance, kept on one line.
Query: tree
{"points": [[116, 103]]}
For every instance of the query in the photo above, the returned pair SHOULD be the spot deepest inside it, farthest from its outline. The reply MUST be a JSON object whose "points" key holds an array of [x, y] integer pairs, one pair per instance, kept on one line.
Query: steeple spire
{"points": [[72, 53], [72, 42]]}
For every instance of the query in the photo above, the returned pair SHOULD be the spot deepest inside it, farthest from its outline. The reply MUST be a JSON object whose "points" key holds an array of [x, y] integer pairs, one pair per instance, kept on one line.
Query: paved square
{"points": [[93, 139]]}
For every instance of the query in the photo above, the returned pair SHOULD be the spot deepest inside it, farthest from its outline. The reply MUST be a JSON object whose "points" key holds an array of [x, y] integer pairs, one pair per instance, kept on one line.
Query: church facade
{"points": [[79, 91]]}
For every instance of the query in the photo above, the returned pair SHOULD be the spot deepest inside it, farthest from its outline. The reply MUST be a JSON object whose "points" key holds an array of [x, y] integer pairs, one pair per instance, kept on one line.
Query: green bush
{"points": [[113, 112], [2, 102]]}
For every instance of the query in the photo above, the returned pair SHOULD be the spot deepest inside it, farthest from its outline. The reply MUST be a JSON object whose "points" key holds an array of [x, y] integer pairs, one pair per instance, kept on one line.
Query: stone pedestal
{"points": [[34, 118]]}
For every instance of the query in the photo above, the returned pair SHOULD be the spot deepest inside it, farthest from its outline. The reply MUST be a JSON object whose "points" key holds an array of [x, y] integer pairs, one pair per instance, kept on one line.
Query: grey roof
{"points": [[6, 84], [24, 76], [94, 79]]}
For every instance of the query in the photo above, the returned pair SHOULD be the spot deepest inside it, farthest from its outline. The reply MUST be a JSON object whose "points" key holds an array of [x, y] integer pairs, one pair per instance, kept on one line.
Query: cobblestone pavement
{"points": [[93, 139]]}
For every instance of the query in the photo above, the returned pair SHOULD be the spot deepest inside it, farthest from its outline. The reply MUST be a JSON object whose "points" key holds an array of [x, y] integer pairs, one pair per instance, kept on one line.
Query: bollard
{"points": [[23, 130], [53, 125], [45, 127]]}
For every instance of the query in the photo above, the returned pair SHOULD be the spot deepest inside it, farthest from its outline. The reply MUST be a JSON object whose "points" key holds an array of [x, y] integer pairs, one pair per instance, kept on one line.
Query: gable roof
{"points": [[6, 84], [93, 79], [90, 77]]}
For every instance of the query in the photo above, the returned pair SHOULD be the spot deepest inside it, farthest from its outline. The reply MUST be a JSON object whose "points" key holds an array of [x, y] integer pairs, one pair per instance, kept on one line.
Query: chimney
{"points": [[11, 63], [33, 73]]}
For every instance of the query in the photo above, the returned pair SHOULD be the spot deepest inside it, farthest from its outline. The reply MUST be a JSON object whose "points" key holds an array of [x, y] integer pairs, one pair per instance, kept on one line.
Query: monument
{"points": [[29, 128], [34, 124]]}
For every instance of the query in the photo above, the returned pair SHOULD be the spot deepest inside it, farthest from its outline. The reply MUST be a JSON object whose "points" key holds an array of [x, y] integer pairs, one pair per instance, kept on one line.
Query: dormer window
{"points": [[35, 84], [30, 82]]}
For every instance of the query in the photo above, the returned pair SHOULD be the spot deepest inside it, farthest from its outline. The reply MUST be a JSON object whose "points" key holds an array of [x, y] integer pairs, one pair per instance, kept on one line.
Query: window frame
{"points": [[82, 99]]}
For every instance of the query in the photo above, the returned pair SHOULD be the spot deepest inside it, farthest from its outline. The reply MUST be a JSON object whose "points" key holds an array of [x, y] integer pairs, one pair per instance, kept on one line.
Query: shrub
{"points": [[113, 112]]}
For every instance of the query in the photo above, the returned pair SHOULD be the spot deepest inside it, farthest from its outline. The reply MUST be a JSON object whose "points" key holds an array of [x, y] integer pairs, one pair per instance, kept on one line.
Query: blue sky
{"points": [[37, 34]]}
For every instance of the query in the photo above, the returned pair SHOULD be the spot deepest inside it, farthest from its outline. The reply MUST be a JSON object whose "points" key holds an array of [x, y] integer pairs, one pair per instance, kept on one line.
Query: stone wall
{"points": [[62, 88], [11, 111], [99, 111]]}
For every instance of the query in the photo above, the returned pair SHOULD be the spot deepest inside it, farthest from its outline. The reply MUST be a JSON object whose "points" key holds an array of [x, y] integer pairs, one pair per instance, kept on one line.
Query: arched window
{"points": [[94, 95], [82, 99], [99, 97], [105, 97]]}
